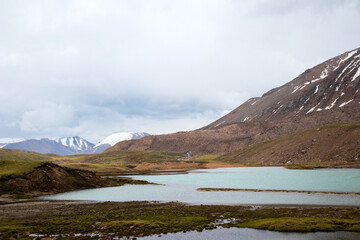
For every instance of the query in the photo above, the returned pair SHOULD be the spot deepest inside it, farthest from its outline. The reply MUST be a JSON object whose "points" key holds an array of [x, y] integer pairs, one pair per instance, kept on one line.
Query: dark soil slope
{"points": [[50, 178], [328, 146]]}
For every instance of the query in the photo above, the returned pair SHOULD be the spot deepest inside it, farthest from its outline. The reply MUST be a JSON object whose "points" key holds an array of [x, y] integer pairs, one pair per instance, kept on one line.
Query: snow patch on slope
{"points": [[350, 54], [122, 136], [357, 74], [345, 103]]}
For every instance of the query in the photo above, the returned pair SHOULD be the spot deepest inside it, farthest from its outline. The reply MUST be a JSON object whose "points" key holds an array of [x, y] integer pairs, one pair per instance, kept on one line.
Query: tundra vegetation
{"points": [[84, 220]]}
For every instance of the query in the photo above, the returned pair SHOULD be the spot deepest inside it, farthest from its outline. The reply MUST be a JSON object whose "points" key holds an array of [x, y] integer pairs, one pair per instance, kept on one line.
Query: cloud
{"points": [[83, 66], [288, 7], [48, 117]]}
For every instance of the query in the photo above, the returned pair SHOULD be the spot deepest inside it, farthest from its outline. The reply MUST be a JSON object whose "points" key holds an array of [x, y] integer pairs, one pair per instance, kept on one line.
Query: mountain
{"points": [[76, 143], [68, 145], [328, 87], [5, 141], [325, 94], [114, 138], [43, 145], [59, 146]]}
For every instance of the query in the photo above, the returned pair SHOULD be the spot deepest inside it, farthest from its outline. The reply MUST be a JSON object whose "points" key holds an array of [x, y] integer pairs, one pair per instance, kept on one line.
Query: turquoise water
{"points": [[182, 187]]}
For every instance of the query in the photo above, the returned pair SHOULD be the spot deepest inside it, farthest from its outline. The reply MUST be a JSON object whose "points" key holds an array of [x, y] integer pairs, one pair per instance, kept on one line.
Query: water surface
{"points": [[182, 187], [245, 234]]}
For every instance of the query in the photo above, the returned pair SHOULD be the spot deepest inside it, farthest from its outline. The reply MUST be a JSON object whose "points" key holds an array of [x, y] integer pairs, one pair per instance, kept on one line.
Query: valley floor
{"points": [[39, 219]]}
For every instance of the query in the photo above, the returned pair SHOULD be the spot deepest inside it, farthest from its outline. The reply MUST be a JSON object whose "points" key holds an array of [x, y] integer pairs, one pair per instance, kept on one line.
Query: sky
{"points": [[90, 68]]}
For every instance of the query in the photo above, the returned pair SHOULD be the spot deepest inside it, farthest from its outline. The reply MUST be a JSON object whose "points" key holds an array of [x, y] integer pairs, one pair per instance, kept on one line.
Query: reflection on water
{"points": [[245, 234], [182, 187]]}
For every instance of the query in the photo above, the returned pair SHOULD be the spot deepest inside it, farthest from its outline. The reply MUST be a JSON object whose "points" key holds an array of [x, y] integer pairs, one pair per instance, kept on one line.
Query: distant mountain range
{"points": [[325, 94], [67, 145]]}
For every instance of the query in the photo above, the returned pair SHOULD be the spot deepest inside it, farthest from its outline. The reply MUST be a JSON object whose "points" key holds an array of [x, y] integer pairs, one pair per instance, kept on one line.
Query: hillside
{"points": [[16, 162], [125, 161], [325, 94], [335, 145], [27, 174]]}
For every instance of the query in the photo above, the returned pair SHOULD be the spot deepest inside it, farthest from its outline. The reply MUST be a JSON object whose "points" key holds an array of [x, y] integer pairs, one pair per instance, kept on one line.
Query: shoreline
{"points": [[249, 205], [273, 190]]}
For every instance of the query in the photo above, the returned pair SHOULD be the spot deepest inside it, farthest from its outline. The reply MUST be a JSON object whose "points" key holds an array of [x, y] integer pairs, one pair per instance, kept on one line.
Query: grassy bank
{"points": [[15, 163], [28, 174], [143, 218]]}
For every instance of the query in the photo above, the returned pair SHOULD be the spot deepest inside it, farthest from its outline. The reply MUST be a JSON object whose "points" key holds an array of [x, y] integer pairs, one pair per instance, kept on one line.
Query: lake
{"points": [[253, 234], [183, 187]]}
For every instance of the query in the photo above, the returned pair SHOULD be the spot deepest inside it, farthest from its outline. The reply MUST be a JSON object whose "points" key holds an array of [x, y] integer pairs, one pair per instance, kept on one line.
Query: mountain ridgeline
{"points": [[68, 145], [325, 94]]}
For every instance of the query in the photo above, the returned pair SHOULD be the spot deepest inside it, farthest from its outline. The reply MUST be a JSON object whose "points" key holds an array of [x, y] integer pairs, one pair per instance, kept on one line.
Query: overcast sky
{"points": [[91, 68]]}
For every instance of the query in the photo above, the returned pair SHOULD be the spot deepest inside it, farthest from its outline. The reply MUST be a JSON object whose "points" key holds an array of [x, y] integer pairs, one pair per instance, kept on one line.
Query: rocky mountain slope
{"points": [[328, 87], [336, 145], [325, 94]]}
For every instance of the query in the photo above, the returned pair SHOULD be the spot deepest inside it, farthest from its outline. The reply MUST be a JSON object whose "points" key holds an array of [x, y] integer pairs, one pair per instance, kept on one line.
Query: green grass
{"points": [[291, 224], [115, 162], [15, 163], [207, 158]]}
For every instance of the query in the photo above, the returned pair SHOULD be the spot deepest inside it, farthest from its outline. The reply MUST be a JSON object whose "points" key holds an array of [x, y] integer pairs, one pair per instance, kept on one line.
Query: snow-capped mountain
{"points": [[76, 143], [122, 136], [59, 146], [43, 145], [114, 138]]}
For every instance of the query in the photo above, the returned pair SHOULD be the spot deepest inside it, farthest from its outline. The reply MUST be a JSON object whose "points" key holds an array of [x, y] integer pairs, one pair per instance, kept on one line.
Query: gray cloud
{"points": [[159, 66]]}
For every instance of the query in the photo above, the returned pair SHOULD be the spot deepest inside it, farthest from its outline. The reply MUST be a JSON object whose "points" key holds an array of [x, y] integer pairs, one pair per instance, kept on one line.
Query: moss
{"points": [[291, 224], [23, 196]]}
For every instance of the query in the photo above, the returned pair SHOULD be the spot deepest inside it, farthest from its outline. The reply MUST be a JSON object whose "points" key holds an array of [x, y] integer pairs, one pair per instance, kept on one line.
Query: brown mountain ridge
{"points": [[325, 94]]}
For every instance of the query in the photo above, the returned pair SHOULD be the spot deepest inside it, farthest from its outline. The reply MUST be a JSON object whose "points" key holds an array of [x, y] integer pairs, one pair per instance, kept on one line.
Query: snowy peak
{"points": [[76, 143], [121, 136], [326, 88]]}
